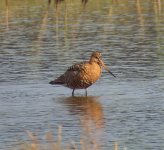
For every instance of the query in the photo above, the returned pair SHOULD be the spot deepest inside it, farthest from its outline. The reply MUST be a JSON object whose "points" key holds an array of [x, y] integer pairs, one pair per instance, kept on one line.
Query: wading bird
{"points": [[84, 74]]}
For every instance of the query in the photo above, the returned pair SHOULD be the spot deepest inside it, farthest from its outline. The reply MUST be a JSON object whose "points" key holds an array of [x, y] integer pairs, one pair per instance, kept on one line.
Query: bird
{"points": [[82, 75]]}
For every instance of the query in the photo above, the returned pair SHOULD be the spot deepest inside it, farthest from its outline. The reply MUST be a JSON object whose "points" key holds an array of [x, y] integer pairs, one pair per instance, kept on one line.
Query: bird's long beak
{"points": [[106, 68]]}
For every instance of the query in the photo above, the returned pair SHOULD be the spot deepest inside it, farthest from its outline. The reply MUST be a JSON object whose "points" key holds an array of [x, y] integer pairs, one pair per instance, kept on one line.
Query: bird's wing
{"points": [[77, 67]]}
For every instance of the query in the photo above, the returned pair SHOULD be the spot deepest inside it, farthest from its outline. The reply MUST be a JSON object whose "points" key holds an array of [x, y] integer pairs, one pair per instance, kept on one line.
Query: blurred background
{"points": [[39, 40]]}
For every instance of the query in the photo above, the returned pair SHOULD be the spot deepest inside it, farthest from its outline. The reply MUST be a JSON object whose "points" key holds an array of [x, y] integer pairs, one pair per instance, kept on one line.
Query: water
{"points": [[38, 43]]}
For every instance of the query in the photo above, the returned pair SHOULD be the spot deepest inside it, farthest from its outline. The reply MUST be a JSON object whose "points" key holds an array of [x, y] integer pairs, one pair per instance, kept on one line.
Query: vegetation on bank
{"points": [[52, 144]]}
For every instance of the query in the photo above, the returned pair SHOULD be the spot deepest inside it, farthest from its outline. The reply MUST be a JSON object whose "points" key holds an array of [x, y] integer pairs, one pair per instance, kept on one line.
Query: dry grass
{"points": [[51, 144]]}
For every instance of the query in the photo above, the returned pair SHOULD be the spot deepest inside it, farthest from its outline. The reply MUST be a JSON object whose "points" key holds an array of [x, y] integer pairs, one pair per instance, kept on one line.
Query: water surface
{"points": [[38, 43]]}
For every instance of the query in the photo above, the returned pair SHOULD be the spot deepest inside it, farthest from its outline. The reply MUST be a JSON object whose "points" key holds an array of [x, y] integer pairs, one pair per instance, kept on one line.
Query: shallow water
{"points": [[38, 43]]}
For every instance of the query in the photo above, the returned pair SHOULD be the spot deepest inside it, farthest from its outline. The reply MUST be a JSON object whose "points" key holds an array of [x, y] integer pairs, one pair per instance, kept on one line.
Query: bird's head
{"points": [[97, 58]]}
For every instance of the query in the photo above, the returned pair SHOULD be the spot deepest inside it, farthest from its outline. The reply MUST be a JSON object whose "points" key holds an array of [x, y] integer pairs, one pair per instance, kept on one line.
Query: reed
{"points": [[57, 2], [52, 144]]}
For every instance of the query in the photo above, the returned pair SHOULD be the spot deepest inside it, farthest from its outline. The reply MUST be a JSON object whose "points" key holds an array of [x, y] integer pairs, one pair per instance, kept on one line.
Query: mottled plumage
{"points": [[82, 75]]}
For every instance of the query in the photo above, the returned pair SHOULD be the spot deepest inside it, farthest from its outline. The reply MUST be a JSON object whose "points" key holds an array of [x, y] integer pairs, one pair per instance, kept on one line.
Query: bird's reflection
{"points": [[90, 112], [88, 109]]}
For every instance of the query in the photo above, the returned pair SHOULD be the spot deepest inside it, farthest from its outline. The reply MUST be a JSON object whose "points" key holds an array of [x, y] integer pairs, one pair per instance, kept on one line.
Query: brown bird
{"points": [[84, 74]]}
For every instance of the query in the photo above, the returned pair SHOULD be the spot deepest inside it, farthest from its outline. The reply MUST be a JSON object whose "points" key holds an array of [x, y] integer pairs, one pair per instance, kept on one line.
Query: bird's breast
{"points": [[91, 72]]}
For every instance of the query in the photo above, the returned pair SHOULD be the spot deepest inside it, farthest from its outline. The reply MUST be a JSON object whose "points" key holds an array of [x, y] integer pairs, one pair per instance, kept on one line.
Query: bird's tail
{"points": [[59, 80], [52, 82], [55, 82]]}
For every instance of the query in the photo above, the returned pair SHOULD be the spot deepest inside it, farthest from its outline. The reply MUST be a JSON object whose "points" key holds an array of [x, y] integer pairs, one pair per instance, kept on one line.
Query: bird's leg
{"points": [[86, 92], [73, 92]]}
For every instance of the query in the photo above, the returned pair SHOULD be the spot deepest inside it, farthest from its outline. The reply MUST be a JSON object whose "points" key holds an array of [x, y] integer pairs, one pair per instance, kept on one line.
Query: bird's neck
{"points": [[92, 60]]}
